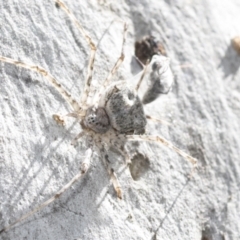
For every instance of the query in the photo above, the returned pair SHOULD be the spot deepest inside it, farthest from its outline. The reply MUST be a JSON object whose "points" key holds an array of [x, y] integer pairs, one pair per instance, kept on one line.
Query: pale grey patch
{"points": [[161, 78], [139, 166]]}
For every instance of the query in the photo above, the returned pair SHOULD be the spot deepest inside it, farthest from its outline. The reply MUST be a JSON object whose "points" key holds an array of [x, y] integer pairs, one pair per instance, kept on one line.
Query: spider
{"points": [[110, 118]]}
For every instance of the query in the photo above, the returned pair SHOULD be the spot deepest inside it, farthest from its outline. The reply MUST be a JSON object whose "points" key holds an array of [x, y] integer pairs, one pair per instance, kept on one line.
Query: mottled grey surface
{"points": [[36, 158]]}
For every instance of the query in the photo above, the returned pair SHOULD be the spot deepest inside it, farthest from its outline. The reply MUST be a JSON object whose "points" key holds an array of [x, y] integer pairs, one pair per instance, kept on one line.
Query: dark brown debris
{"points": [[147, 47]]}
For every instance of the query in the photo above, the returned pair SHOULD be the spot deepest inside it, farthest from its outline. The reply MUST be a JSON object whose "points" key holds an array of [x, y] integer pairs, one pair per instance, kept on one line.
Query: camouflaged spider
{"points": [[113, 116]]}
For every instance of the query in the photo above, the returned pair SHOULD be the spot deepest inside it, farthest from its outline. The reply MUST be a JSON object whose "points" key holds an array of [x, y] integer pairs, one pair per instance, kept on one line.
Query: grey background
{"points": [[36, 158]]}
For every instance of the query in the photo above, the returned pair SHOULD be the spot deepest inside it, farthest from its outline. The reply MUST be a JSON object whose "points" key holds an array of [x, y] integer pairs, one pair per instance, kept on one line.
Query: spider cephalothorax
{"points": [[96, 119]]}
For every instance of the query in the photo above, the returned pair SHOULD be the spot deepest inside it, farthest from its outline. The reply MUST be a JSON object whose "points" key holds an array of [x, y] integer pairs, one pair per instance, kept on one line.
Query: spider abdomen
{"points": [[125, 110]]}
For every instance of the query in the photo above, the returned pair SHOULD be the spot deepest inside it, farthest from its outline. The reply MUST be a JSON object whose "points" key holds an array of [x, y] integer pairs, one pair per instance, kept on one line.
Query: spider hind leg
{"points": [[105, 159]]}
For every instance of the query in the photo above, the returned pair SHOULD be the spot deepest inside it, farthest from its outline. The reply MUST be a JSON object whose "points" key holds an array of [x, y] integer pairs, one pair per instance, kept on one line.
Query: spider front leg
{"points": [[83, 169], [88, 80], [67, 96], [60, 119]]}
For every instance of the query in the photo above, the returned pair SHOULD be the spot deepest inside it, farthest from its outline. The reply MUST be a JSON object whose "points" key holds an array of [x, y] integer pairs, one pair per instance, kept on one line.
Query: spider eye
{"points": [[97, 120]]}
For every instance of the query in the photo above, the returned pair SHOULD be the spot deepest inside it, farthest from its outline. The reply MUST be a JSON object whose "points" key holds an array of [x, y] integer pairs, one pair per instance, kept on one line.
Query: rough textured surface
{"points": [[36, 158]]}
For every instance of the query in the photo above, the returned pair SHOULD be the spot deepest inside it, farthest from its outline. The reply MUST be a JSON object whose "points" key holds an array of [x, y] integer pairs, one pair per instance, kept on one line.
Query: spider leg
{"points": [[83, 169], [142, 76], [119, 145], [93, 47], [124, 153], [119, 61], [67, 96], [157, 120], [111, 172], [74, 141], [163, 141], [140, 62], [116, 183]]}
